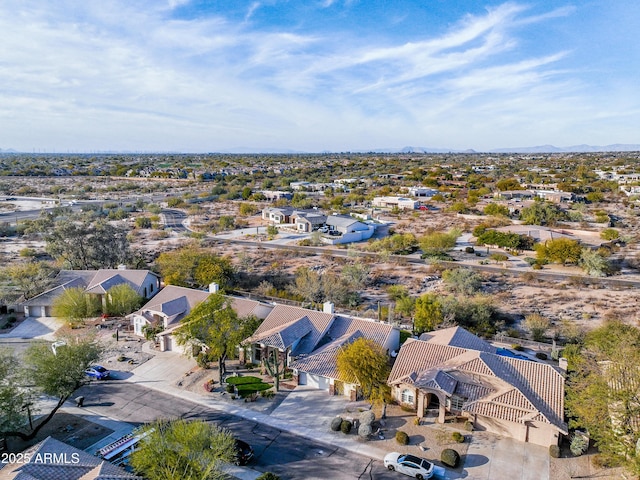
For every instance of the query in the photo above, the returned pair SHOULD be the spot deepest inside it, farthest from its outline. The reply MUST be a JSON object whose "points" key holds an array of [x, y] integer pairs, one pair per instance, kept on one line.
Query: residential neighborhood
{"points": [[444, 303]]}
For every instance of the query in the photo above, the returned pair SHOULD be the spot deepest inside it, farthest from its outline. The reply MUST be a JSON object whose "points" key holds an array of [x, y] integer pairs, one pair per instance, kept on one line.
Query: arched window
{"points": [[407, 396]]}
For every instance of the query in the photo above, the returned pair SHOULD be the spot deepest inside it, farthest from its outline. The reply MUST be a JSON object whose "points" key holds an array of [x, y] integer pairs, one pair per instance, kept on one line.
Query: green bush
{"points": [[268, 476], [336, 423], [457, 437], [345, 426], [468, 426], [402, 438], [243, 380], [554, 451], [450, 457], [469, 250], [229, 388], [579, 444]]}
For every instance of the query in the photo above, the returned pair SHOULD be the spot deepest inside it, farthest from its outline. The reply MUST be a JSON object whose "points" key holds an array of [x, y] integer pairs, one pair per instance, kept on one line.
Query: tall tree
{"points": [[194, 267], [57, 374], [14, 399], [87, 246], [366, 363], [427, 313], [603, 393], [214, 324], [183, 450]]}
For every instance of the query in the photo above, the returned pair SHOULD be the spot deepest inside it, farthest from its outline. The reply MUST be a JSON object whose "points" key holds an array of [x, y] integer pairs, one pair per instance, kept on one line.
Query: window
{"points": [[457, 402], [407, 396]]}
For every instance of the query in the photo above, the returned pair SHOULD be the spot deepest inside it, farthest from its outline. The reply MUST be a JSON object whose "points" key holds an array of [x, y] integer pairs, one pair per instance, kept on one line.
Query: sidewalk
{"points": [[307, 412]]}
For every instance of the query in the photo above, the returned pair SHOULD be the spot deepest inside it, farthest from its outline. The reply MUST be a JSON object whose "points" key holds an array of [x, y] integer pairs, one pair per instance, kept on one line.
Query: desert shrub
{"points": [[365, 430], [450, 457], [468, 426], [579, 444], [536, 266], [517, 348], [267, 394], [402, 438], [268, 476], [457, 437], [367, 417], [554, 451], [541, 355], [469, 250], [229, 388], [336, 423], [416, 421], [345, 426]]}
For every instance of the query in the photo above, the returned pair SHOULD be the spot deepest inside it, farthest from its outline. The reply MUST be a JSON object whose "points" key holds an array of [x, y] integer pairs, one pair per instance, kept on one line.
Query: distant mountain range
{"points": [[617, 147]]}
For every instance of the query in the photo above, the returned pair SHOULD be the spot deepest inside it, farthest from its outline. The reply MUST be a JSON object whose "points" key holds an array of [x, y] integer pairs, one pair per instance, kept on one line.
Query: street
{"points": [[285, 454]]}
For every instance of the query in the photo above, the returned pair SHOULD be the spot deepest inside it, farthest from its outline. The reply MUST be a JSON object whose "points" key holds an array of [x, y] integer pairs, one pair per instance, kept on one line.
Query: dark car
{"points": [[335, 233], [97, 372], [244, 452]]}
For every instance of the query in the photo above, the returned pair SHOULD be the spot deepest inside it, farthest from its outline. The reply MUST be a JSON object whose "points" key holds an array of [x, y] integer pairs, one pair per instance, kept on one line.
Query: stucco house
{"points": [[401, 203], [455, 373], [307, 341], [96, 282], [173, 303]]}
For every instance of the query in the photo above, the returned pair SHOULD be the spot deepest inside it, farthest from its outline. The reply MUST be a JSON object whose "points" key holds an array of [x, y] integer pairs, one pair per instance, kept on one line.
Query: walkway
{"points": [[307, 412]]}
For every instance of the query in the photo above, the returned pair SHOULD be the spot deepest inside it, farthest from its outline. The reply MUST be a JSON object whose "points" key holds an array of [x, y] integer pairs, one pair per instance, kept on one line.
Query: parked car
{"points": [[335, 233], [324, 229], [98, 372], [409, 465], [244, 452]]}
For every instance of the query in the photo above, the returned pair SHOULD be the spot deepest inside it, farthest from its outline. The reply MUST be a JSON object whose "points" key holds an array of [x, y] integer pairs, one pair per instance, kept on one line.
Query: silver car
{"points": [[409, 465]]}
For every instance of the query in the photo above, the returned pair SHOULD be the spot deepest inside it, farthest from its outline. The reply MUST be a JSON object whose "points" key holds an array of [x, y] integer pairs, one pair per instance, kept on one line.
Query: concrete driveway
{"points": [[42, 328], [491, 456]]}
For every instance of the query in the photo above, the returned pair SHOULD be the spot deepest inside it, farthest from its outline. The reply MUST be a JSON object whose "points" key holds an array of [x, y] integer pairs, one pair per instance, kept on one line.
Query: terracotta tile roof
{"points": [[284, 336], [343, 330], [458, 337], [245, 307], [323, 361], [282, 315], [70, 464], [502, 387]]}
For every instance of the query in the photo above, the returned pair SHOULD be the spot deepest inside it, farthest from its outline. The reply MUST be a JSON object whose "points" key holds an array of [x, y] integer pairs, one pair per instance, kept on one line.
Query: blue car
{"points": [[98, 372]]}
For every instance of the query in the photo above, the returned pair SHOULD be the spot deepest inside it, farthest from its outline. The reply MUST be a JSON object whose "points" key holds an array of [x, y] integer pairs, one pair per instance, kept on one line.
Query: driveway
{"points": [[42, 328], [491, 456]]}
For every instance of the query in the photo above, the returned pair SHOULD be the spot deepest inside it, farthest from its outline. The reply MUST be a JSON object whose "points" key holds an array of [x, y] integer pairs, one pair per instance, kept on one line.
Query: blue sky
{"points": [[317, 75]]}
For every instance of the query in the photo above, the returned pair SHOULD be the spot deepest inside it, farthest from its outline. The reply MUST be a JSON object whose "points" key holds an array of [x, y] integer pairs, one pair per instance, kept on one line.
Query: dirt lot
{"points": [[67, 428]]}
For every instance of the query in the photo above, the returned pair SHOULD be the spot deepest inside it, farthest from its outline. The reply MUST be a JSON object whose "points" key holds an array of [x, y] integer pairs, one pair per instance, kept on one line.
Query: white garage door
{"points": [[315, 381]]}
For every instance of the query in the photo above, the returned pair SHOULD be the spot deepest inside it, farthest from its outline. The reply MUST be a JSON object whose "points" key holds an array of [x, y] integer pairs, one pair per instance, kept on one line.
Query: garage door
{"points": [[314, 381]]}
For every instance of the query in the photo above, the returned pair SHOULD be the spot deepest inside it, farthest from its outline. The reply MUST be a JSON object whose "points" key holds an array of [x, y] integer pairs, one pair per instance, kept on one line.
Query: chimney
{"points": [[328, 307], [214, 287]]}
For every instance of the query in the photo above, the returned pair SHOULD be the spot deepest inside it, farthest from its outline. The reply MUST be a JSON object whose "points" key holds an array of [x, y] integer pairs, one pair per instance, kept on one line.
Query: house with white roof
{"points": [[457, 374], [401, 203]]}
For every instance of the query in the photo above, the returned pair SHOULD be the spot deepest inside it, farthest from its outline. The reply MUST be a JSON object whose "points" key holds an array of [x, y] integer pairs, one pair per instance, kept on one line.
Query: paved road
{"points": [[288, 455], [174, 219]]}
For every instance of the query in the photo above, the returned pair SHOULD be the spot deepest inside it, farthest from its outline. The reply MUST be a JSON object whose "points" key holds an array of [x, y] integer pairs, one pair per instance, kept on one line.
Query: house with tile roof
{"points": [[94, 282], [52, 459], [173, 303], [454, 373], [308, 341]]}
